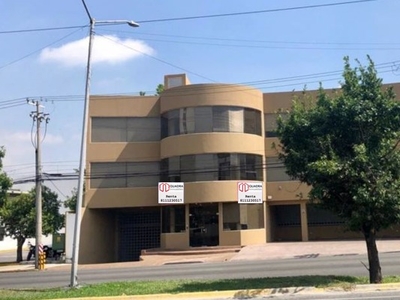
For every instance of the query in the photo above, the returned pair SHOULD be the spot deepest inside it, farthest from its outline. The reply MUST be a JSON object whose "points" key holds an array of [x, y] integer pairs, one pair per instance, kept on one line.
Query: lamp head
{"points": [[133, 24]]}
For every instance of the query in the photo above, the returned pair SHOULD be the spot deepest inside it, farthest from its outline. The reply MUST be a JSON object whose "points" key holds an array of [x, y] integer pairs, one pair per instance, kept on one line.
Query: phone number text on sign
{"points": [[250, 192], [170, 192]]}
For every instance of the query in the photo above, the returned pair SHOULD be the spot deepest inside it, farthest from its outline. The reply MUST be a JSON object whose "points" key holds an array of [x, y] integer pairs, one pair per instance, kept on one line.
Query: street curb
{"points": [[233, 294], [251, 293]]}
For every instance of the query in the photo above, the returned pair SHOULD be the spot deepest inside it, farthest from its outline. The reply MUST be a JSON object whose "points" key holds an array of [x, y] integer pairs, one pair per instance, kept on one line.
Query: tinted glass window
{"points": [[121, 129], [203, 118], [209, 167], [276, 171], [124, 174], [211, 119]]}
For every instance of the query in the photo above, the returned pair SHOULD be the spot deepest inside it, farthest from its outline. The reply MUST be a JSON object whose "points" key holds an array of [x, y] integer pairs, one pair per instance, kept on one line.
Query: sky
{"points": [[281, 50]]}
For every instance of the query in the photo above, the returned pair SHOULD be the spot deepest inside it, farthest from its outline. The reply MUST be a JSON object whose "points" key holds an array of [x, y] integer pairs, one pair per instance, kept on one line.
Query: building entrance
{"points": [[204, 230], [137, 230]]}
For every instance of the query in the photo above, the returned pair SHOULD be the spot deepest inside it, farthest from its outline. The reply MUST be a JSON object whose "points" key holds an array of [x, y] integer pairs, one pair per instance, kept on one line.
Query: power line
{"points": [[381, 67], [157, 59], [51, 181], [125, 175], [47, 162], [197, 17], [11, 105], [254, 12], [285, 46], [250, 41], [42, 29], [40, 49]]}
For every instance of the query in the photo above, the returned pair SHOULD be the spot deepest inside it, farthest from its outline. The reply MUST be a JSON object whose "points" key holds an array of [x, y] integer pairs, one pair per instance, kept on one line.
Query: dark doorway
{"points": [[137, 230], [204, 230], [285, 223]]}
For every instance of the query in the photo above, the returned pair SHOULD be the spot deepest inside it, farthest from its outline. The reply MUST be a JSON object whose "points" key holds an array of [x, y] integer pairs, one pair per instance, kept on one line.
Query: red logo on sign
{"points": [[163, 187], [243, 187]]}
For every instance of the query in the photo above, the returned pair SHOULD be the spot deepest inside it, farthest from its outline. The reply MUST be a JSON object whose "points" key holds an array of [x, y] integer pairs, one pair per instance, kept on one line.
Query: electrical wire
{"points": [[248, 41], [393, 65], [38, 50], [51, 181], [125, 175], [255, 12], [48, 162], [280, 47], [11, 105], [198, 17], [155, 58], [42, 29]]}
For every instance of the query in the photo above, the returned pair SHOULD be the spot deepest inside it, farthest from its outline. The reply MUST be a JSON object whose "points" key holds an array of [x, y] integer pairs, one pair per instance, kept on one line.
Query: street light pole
{"points": [[77, 229], [82, 160]]}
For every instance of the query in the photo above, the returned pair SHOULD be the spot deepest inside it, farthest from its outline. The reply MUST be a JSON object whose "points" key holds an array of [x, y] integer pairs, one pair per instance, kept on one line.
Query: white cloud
{"points": [[106, 49]]}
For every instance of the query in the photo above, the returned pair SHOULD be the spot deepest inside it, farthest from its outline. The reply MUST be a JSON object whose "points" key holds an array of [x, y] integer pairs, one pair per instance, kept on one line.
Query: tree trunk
{"points": [[375, 274], [20, 244]]}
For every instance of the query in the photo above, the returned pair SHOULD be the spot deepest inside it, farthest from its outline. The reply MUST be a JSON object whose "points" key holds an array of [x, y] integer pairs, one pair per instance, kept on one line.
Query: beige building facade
{"points": [[209, 136]]}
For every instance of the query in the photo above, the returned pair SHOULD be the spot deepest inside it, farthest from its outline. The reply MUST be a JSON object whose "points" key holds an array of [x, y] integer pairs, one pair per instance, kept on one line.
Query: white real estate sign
{"points": [[171, 192], [250, 192]]}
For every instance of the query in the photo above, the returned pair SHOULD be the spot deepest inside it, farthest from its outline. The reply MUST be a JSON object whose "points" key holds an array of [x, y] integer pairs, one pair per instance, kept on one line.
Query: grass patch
{"points": [[186, 286]]}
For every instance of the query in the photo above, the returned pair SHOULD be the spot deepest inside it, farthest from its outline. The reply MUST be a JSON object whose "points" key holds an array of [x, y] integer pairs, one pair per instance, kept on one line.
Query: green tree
{"points": [[70, 202], [5, 181], [141, 93], [345, 146], [18, 216], [159, 89]]}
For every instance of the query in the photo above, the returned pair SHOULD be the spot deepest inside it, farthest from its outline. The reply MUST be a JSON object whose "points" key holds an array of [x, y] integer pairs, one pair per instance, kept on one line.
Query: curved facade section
{"points": [[212, 167], [196, 95], [207, 119], [211, 143]]}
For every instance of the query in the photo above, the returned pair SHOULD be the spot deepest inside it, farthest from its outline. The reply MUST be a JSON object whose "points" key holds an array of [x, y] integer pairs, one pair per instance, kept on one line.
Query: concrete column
{"points": [[220, 222], [187, 218], [172, 219], [303, 219], [267, 223]]}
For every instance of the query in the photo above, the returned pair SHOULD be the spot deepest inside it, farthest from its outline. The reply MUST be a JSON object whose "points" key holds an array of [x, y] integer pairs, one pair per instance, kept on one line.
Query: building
{"points": [[209, 136]]}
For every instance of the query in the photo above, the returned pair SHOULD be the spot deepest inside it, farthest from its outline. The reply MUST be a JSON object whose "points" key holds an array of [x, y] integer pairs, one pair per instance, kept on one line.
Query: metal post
{"points": [[82, 163], [38, 187]]}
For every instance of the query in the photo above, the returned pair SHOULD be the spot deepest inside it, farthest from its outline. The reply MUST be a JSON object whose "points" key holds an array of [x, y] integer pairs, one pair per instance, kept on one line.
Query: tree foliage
{"points": [[18, 216], [5, 181], [70, 202], [159, 89], [345, 146]]}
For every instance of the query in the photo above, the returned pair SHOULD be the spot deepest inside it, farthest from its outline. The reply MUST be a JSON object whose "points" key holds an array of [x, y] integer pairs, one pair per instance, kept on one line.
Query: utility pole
{"points": [[38, 117]]}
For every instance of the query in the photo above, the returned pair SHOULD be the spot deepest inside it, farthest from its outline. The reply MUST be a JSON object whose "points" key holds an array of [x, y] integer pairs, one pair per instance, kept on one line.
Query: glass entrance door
{"points": [[204, 230]]}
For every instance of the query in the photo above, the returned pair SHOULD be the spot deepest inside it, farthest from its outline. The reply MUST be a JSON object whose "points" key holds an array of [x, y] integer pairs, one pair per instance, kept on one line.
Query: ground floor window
{"points": [[173, 218], [317, 216], [286, 215], [242, 216]]}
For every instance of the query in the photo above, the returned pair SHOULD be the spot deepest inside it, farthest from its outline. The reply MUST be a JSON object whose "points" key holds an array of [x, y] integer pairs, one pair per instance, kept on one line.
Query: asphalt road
{"points": [[335, 265]]}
